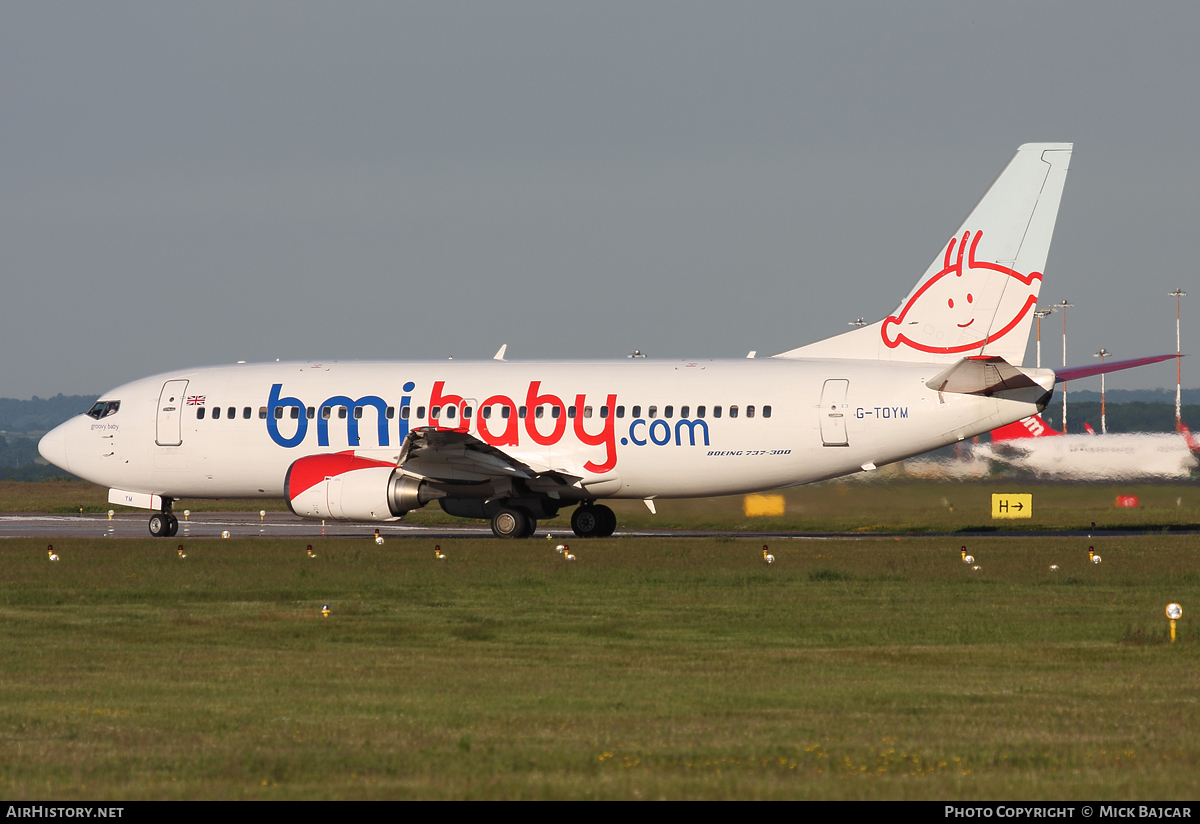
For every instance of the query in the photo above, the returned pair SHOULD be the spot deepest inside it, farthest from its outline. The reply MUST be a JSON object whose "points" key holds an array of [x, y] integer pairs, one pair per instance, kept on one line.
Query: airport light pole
{"points": [[1039, 314], [1177, 294], [1103, 423], [1064, 306]]}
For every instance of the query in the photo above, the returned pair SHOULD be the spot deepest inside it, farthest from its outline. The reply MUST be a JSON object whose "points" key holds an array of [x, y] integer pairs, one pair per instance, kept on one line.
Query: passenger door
{"points": [[170, 413], [833, 412]]}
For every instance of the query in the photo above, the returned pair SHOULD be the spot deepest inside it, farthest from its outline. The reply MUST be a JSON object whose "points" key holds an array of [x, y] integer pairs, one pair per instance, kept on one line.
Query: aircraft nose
{"points": [[53, 447]]}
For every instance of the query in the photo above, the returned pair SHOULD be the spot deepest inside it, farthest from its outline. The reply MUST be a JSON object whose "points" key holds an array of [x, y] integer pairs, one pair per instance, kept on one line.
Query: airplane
{"points": [[516, 441], [1033, 446]]}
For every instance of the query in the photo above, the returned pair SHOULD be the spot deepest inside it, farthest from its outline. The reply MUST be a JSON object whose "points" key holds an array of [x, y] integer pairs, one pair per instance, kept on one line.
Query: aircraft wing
{"points": [[459, 457]]}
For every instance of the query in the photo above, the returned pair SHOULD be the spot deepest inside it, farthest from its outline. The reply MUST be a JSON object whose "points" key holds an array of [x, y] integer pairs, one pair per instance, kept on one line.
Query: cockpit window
{"points": [[102, 409]]}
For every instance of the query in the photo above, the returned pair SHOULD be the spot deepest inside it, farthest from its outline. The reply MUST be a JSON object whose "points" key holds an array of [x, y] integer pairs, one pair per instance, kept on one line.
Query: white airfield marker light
{"points": [[325, 610], [976, 567], [437, 553], [225, 533], [50, 553], [110, 514], [378, 538], [1174, 613], [769, 558], [180, 552], [970, 559], [262, 515], [1054, 567], [186, 513], [560, 549], [311, 554]]}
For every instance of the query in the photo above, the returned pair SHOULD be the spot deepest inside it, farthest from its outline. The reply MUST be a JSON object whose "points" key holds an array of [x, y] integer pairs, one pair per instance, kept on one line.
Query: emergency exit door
{"points": [[170, 414], [833, 412]]}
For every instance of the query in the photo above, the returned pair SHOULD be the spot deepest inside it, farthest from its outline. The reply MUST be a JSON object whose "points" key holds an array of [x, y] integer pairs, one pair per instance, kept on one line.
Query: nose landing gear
{"points": [[164, 524]]}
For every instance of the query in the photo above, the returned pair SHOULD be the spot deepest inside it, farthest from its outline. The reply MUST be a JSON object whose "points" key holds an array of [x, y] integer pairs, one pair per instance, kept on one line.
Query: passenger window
{"points": [[358, 413], [505, 411], [295, 412], [683, 411], [199, 413], [652, 412], [279, 413], [435, 413], [733, 411], [669, 412], [246, 413], [262, 413], [467, 411], [391, 412], [570, 411], [522, 412], [341, 413], [537, 413], [309, 413], [587, 411], [420, 413], [555, 411], [766, 411], [749, 411], [231, 412], [699, 411], [216, 412], [620, 411], [405, 411], [486, 413], [637, 411], [450, 410], [716, 411], [604, 412]]}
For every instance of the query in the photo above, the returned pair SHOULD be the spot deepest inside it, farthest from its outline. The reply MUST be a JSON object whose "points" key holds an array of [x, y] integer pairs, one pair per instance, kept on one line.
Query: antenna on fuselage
{"points": [[500, 352]]}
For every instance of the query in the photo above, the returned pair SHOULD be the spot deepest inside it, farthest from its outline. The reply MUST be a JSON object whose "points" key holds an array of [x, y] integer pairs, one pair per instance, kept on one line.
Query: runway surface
{"points": [[286, 525]]}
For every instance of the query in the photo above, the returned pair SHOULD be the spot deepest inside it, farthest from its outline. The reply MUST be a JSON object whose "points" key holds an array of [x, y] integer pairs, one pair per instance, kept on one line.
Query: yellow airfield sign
{"points": [[1012, 505]]}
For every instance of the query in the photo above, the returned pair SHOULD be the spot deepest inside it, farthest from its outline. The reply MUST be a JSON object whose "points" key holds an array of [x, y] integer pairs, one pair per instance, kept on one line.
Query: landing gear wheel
{"points": [[587, 522], [160, 525], [608, 521], [530, 527], [173, 528], [510, 523]]}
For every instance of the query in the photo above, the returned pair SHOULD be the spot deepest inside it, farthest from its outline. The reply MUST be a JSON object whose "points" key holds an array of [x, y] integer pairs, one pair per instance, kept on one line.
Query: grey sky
{"points": [[183, 184]]}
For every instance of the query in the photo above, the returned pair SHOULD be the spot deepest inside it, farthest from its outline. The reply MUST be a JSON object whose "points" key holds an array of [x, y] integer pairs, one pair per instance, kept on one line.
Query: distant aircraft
{"points": [[515, 441], [1032, 446]]}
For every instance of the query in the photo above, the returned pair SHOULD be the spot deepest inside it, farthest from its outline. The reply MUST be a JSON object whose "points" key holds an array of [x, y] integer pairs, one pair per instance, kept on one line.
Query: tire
{"points": [[608, 521], [173, 528], [586, 522], [160, 526], [510, 523]]}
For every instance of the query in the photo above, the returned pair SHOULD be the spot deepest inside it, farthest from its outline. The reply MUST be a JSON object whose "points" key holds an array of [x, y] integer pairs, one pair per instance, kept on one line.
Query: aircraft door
{"points": [[833, 412], [170, 414]]}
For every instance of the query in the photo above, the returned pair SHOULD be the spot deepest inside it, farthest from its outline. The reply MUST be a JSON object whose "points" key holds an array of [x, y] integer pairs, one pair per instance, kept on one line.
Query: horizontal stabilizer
{"points": [[985, 376], [1076, 372]]}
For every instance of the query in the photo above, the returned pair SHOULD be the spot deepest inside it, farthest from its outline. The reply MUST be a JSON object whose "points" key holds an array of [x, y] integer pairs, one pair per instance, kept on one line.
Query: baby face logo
{"points": [[953, 310]]}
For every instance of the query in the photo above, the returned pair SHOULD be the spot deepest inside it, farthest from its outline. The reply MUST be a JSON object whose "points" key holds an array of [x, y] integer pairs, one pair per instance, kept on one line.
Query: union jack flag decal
{"points": [[195, 400]]}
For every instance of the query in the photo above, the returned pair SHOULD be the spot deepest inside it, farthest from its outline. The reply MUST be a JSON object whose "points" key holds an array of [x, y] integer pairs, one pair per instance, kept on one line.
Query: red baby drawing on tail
{"points": [[950, 299]]}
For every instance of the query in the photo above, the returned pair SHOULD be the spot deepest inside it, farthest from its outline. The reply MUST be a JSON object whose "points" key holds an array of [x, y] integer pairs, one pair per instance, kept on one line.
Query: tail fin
{"points": [[1031, 427], [978, 295]]}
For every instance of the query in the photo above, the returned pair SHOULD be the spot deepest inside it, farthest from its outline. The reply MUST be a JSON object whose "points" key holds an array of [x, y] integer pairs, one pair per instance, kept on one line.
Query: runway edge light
{"points": [[1174, 613]]}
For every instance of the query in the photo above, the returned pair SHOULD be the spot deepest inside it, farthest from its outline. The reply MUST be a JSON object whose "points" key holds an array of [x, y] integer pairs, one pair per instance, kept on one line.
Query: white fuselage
{"points": [[631, 428]]}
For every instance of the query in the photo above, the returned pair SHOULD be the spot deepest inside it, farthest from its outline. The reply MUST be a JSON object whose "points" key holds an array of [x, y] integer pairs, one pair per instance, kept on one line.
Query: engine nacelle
{"points": [[345, 487]]}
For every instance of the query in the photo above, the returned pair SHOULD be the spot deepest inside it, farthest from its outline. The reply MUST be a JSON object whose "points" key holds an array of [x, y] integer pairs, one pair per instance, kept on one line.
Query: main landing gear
{"points": [[164, 524], [593, 521], [513, 523]]}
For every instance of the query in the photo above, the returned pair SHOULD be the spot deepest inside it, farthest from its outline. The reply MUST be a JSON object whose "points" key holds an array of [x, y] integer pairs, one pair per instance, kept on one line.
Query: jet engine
{"points": [[344, 487]]}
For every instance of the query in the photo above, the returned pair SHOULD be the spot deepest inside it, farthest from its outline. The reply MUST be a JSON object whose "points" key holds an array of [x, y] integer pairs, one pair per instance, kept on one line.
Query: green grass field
{"points": [[847, 506], [871, 668]]}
